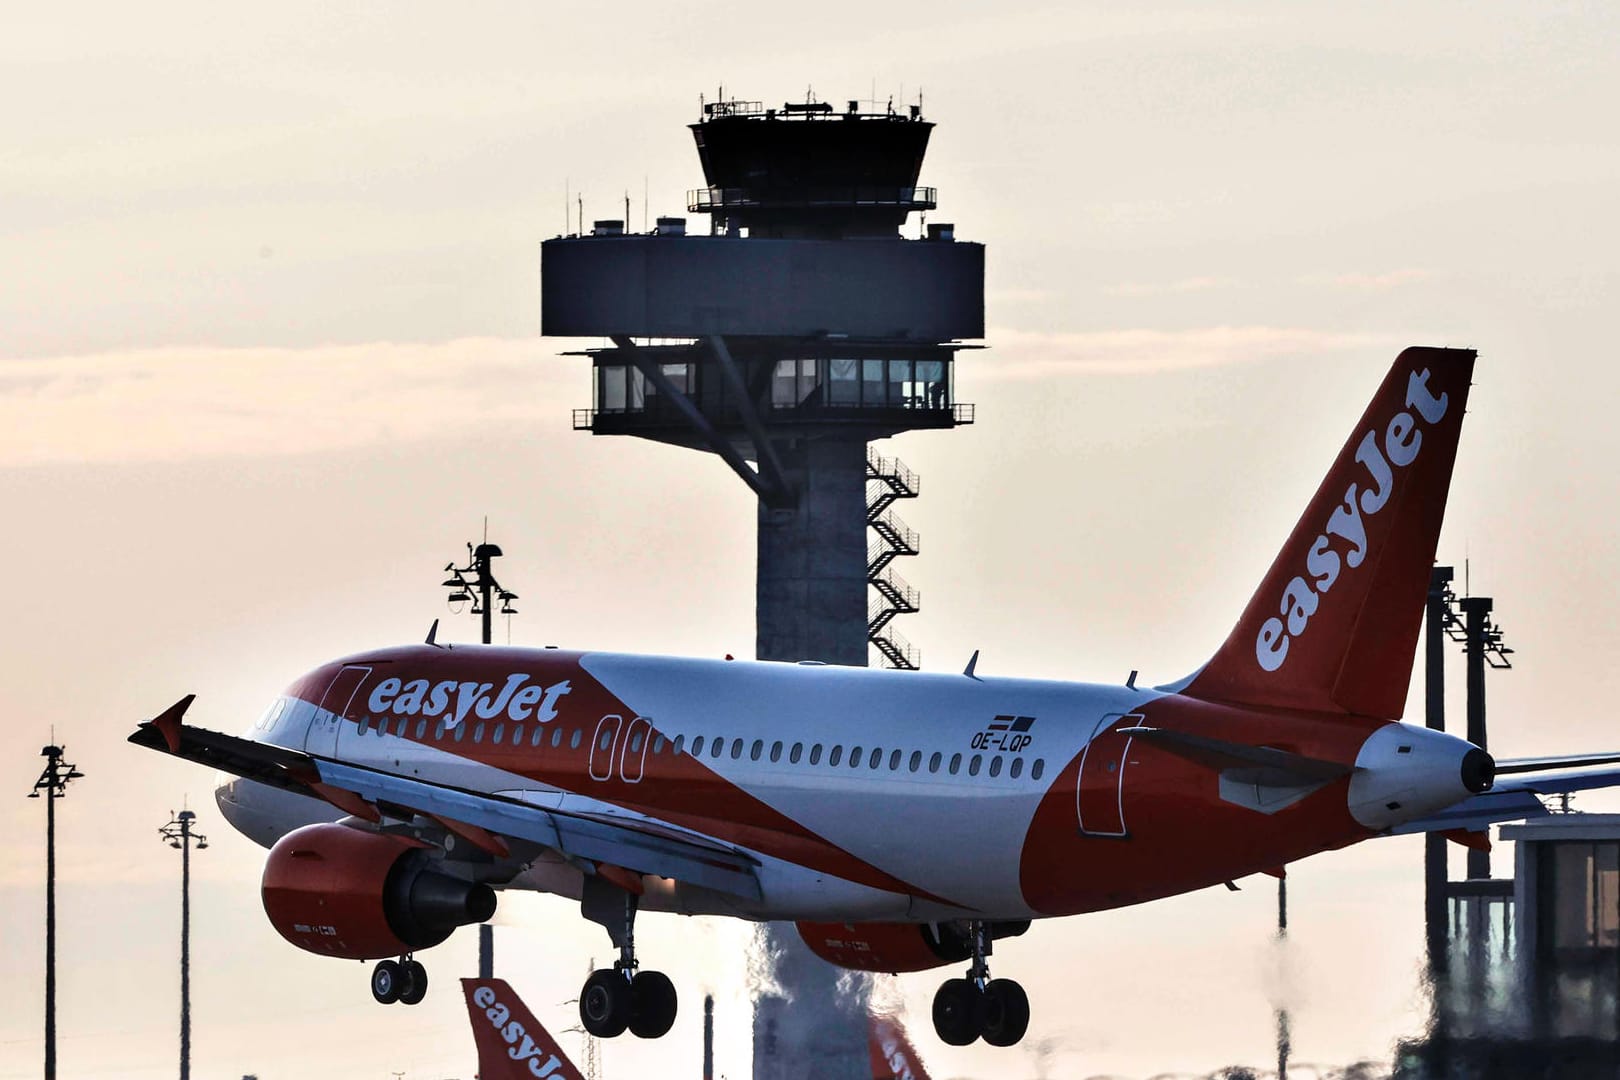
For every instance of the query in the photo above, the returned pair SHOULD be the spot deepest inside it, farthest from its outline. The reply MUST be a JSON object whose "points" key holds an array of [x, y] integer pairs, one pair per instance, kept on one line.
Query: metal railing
{"points": [[709, 199], [898, 653]]}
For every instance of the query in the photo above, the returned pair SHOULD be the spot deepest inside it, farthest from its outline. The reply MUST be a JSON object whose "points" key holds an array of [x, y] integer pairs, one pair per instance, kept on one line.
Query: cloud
{"points": [[1034, 354], [1389, 279], [1170, 288], [165, 404]]}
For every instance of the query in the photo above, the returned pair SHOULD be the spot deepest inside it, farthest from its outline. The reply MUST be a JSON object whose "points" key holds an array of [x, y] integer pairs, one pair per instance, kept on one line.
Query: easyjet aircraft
{"points": [[512, 1044], [904, 820]]}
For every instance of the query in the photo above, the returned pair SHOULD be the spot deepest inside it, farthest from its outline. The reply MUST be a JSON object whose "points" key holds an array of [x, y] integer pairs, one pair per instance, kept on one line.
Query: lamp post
{"points": [[53, 782], [476, 582], [179, 834]]}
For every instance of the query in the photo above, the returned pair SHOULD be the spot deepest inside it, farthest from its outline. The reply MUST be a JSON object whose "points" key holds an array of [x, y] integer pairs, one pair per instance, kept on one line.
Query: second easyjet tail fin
{"points": [[893, 1056], [1335, 623], [512, 1044]]}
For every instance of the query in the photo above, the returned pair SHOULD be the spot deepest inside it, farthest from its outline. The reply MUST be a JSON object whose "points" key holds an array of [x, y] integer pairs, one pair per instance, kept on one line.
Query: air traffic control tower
{"points": [[800, 329]]}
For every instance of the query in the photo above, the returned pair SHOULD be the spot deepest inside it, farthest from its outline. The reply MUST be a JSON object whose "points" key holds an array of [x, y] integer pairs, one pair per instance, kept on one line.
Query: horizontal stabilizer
{"points": [[1476, 812], [1260, 765], [1542, 764], [1562, 782]]}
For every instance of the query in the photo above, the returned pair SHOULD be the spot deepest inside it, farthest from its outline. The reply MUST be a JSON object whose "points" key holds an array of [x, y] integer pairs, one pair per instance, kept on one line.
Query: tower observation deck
{"points": [[800, 329]]}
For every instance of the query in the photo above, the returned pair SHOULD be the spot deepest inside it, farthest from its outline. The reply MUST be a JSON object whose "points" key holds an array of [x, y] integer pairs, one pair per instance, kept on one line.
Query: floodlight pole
{"points": [[486, 590], [179, 834], [53, 782]]}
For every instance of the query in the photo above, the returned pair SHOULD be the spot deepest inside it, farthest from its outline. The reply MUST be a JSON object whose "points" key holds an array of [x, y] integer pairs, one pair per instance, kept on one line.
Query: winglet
{"points": [[973, 664], [169, 720]]}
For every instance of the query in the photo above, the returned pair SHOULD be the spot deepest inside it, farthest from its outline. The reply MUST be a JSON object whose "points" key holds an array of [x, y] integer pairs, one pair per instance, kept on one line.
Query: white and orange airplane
{"points": [[904, 820]]}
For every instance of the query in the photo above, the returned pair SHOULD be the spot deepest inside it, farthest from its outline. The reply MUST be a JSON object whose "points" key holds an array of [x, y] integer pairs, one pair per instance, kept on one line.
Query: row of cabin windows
{"points": [[717, 748]]}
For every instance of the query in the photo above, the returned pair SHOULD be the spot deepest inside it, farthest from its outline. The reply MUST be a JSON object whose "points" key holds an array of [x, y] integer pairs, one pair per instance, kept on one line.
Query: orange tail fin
{"points": [[893, 1056], [512, 1044], [1334, 625]]}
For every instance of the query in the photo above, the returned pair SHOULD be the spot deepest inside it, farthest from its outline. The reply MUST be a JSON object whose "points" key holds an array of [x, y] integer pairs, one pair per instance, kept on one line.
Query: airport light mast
{"points": [[179, 834], [53, 783], [476, 582]]}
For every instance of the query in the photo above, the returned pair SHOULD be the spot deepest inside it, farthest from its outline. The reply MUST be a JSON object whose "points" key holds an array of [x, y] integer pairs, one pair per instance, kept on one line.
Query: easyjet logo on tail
{"points": [[1342, 543], [522, 1045]]}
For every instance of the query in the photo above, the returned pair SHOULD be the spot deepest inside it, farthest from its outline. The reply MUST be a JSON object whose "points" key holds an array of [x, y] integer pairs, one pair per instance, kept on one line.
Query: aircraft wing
{"points": [[634, 844], [1514, 797]]}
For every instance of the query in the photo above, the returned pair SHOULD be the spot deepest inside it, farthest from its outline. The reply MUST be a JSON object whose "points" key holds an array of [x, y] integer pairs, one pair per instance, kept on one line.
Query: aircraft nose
{"points": [[1478, 771]]}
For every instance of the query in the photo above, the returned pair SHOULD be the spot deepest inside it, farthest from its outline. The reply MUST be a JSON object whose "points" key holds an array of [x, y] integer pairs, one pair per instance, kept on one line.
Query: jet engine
{"points": [[896, 947], [338, 891]]}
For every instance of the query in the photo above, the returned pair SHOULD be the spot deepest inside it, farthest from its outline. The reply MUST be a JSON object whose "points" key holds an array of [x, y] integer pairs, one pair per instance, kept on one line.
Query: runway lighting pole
{"points": [[53, 782], [1284, 1034], [477, 583], [179, 833]]}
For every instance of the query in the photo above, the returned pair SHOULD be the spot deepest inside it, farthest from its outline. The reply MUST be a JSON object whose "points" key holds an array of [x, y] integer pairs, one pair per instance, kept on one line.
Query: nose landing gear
{"points": [[403, 980], [978, 1006], [622, 997]]}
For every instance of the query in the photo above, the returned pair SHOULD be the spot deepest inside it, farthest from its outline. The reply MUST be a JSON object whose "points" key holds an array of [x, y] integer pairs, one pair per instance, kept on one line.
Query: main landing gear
{"points": [[978, 1006], [622, 997], [403, 980]]}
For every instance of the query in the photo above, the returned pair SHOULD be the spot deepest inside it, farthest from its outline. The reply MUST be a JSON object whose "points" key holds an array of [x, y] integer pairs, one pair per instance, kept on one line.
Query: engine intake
{"points": [[337, 891]]}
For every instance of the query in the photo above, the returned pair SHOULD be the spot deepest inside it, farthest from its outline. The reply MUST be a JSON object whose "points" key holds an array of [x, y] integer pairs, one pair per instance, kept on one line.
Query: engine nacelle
{"points": [[339, 891], [896, 947]]}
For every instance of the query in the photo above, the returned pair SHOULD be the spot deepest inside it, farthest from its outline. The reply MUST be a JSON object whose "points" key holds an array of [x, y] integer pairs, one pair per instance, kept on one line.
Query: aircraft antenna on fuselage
{"points": [[973, 663]]}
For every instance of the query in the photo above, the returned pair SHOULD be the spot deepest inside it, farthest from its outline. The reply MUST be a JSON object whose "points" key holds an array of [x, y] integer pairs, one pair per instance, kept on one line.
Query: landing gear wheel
{"points": [[415, 983], [605, 1003], [652, 1005], [1006, 1012], [958, 1012], [386, 982]]}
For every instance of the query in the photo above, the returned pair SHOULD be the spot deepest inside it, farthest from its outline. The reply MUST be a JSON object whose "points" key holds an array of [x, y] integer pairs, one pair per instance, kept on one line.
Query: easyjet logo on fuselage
{"points": [[1347, 525], [455, 700], [522, 1044]]}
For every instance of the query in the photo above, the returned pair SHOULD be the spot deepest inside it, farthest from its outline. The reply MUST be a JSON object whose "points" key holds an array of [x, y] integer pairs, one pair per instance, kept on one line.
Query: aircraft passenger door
{"points": [[328, 719], [1100, 795], [634, 755], [602, 746]]}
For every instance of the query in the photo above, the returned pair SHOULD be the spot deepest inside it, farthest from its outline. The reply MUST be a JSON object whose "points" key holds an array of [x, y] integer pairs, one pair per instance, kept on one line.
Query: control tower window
{"points": [[611, 396], [929, 386], [682, 375], [794, 383], [843, 382], [899, 384], [872, 383]]}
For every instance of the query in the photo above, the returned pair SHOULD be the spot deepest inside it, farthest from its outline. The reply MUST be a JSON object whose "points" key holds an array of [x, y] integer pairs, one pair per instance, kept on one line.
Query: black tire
{"points": [[958, 1012], [416, 983], [1006, 1012], [604, 1003], [386, 982], [653, 1003]]}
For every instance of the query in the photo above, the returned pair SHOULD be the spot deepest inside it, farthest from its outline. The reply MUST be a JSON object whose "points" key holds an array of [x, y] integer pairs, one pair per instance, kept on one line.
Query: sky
{"points": [[270, 353]]}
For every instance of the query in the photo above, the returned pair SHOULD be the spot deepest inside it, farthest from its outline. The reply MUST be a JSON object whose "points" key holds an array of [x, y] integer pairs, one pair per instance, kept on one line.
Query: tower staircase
{"points": [[887, 482]]}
